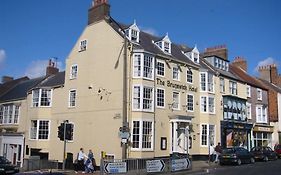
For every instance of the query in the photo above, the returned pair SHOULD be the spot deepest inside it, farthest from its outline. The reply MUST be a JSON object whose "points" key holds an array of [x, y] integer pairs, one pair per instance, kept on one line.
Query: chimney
{"points": [[6, 79], [99, 10], [51, 68], [220, 51], [269, 73], [240, 62]]}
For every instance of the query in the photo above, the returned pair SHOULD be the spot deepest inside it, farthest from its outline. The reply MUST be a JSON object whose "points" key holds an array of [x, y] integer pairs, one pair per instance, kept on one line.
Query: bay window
{"points": [[9, 114], [143, 66], [206, 81], [142, 135], [41, 97], [143, 98]]}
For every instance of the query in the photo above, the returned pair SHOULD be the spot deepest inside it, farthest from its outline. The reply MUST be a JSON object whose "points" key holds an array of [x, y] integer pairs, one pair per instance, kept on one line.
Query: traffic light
{"points": [[61, 131], [69, 131]]}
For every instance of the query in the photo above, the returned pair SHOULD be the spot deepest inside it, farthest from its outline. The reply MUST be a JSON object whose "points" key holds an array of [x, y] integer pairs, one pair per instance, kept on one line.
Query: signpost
{"points": [[153, 166], [181, 164], [115, 167]]}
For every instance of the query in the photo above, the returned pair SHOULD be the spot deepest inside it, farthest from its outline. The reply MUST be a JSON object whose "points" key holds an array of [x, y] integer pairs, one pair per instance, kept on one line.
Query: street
{"points": [[259, 168]]}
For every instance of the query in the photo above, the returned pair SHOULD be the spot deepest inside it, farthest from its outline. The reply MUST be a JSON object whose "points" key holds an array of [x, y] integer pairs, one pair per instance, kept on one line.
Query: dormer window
{"points": [[165, 44], [133, 33], [193, 55]]}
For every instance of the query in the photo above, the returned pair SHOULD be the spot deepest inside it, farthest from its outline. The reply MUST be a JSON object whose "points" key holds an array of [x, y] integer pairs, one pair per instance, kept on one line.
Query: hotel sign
{"points": [[263, 129], [168, 83]]}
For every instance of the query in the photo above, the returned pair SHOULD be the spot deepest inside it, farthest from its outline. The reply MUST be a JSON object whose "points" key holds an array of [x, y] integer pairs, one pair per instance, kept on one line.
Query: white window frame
{"points": [[73, 75], [222, 85], [160, 71], [37, 130], [207, 134], [249, 110], [201, 103], [140, 148], [263, 114], [176, 73], [203, 83], [233, 87], [176, 102], [259, 94], [83, 45], [187, 103], [207, 104], [9, 114], [69, 98], [39, 102], [248, 91], [139, 69], [141, 98], [159, 98], [189, 76]]}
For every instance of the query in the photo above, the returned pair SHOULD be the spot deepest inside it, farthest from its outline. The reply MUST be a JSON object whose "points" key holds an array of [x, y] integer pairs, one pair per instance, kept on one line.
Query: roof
{"points": [[146, 42], [53, 80], [270, 86], [21, 89], [5, 87], [246, 77]]}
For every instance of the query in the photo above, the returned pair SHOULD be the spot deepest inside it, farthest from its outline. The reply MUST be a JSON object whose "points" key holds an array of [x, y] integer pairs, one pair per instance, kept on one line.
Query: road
{"points": [[259, 168]]}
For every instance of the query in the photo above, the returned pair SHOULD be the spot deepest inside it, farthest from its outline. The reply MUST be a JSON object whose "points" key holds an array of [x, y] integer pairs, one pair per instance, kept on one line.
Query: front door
{"points": [[179, 139]]}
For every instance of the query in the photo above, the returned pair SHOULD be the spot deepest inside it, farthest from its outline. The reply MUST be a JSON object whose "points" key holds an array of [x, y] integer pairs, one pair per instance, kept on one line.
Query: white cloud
{"points": [[38, 68], [2, 57], [265, 62], [149, 30]]}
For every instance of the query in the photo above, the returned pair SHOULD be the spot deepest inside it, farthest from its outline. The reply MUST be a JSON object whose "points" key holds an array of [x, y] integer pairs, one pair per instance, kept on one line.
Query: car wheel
{"points": [[265, 158], [239, 162], [252, 160]]}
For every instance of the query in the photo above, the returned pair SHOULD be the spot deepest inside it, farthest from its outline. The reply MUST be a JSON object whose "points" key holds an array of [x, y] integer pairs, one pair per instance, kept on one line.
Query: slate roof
{"points": [[5, 87], [20, 90], [53, 80], [146, 43], [270, 86], [247, 78]]}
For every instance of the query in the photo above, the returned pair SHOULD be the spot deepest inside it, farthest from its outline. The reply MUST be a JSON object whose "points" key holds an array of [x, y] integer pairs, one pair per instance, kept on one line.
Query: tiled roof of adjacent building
{"points": [[53, 80], [270, 86], [247, 78], [5, 87], [20, 90]]}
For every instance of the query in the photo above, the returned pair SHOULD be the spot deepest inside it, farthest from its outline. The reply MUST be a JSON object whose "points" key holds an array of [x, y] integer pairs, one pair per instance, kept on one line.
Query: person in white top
{"points": [[81, 159]]}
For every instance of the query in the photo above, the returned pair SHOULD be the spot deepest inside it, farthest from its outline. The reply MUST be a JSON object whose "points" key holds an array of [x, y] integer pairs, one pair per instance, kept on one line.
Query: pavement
{"points": [[197, 167]]}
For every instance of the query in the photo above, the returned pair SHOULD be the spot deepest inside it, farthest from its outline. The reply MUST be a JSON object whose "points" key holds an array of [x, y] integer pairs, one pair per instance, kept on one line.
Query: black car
{"points": [[236, 155], [264, 153], [6, 166]]}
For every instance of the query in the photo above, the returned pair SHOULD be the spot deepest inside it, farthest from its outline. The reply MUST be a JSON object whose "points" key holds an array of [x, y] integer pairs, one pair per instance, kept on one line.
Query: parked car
{"points": [[263, 153], [236, 155], [277, 149], [6, 166]]}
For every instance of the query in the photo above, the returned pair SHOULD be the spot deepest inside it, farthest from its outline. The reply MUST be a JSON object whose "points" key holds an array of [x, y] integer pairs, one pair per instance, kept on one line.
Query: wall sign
{"points": [[168, 83]]}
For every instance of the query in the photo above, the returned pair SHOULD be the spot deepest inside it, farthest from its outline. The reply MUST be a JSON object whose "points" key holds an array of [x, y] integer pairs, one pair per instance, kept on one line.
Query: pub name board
{"points": [[176, 85]]}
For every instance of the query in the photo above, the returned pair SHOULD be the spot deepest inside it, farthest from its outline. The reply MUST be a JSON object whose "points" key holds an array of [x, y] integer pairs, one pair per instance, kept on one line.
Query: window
{"points": [[222, 85], [83, 45], [248, 91], [143, 98], [143, 66], [211, 105], [148, 67], [9, 114], [176, 73], [176, 100], [207, 104], [196, 57], [210, 82], [203, 81], [160, 98], [189, 78], [160, 66], [207, 134], [41, 97], [72, 98], [142, 135], [39, 130], [190, 102], [167, 47], [233, 87], [134, 35], [73, 71], [261, 114], [249, 110], [259, 94]]}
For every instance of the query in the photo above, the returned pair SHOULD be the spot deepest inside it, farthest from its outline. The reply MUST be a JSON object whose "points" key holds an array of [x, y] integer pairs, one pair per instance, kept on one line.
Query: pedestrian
{"points": [[80, 159], [89, 166], [212, 153], [218, 151]]}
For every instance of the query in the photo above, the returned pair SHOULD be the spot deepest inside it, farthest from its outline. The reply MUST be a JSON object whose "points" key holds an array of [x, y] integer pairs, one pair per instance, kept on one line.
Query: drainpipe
{"points": [[124, 118]]}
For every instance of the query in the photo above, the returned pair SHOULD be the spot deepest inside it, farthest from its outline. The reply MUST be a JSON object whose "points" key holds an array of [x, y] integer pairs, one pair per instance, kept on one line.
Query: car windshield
{"points": [[228, 151]]}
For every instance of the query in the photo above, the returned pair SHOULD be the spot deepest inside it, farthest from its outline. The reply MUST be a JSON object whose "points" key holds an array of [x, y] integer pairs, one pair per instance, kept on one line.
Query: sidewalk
{"points": [[201, 166]]}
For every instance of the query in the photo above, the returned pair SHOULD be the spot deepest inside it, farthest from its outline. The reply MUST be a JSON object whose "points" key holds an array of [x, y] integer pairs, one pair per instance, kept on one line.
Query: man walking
{"points": [[218, 151]]}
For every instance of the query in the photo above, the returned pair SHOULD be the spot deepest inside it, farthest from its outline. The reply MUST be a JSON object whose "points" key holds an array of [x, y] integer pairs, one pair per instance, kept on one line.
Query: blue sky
{"points": [[32, 31]]}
